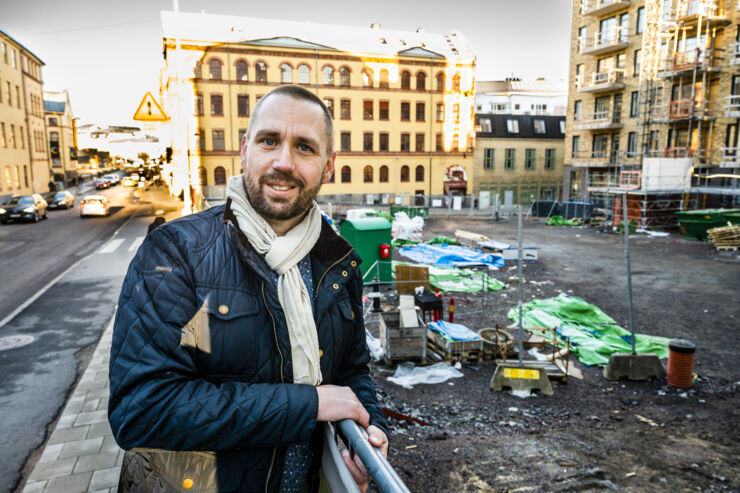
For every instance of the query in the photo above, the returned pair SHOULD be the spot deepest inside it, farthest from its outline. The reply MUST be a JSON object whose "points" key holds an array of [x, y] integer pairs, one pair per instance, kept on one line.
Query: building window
{"points": [[214, 69], [456, 83], [286, 73], [419, 172], [640, 27], [329, 103], [346, 174], [509, 158], [367, 141], [344, 76], [199, 104], [440, 82], [345, 107], [577, 110], [549, 158], [485, 125], [529, 158], [582, 35], [562, 127], [405, 112], [420, 112], [440, 112], [383, 142], [327, 76], [367, 78], [383, 78], [512, 126], [219, 175], [367, 174], [404, 174], [201, 136], [218, 140], [260, 72], [304, 74], [345, 141], [575, 145], [636, 63], [367, 110], [438, 143], [405, 80], [217, 105], [242, 105], [633, 104], [405, 142], [631, 144], [539, 126], [456, 113], [599, 147], [419, 143], [203, 176], [383, 174], [488, 155], [383, 110], [421, 81], [241, 70]]}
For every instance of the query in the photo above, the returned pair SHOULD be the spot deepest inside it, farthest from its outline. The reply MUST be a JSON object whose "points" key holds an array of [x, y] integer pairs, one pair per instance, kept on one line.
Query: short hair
{"points": [[300, 93]]}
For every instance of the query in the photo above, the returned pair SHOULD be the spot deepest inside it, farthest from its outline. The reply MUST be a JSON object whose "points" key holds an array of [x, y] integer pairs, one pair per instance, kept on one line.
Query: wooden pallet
{"points": [[725, 237], [463, 351]]}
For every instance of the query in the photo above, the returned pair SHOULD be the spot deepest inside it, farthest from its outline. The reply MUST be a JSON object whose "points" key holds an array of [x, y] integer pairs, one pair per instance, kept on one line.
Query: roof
{"points": [[54, 106], [525, 124], [23, 47], [516, 86], [212, 28]]}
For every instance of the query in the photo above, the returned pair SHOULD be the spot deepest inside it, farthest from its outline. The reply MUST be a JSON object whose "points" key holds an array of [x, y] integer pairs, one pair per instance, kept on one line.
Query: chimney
{"points": [[374, 26]]}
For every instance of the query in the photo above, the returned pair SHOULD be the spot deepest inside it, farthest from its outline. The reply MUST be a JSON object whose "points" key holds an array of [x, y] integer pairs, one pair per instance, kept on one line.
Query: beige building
{"points": [[652, 110], [24, 163], [519, 157], [402, 101], [61, 136]]}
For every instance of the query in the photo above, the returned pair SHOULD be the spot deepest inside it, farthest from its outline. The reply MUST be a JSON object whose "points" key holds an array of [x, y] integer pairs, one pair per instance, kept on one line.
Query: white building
{"points": [[124, 141], [516, 97]]}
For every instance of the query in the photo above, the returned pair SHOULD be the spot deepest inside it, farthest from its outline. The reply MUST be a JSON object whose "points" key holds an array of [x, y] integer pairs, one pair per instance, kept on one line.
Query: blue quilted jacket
{"points": [[200, 370]]}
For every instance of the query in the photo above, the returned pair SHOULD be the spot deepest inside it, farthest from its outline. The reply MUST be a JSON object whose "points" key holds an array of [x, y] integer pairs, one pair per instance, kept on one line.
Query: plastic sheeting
{"points": [[561, 221], [593, 334], [453, 332], [460, 280], [407, 375], [444, 255]]}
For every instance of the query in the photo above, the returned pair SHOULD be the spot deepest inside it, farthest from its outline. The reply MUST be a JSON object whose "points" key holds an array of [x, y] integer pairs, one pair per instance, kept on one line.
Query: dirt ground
{"points": [[589, 435]]}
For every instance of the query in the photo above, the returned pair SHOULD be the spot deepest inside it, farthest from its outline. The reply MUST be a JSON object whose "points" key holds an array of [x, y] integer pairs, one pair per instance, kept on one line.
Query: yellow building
{"points": [[24, 162], [402, 101], [61, 135]]}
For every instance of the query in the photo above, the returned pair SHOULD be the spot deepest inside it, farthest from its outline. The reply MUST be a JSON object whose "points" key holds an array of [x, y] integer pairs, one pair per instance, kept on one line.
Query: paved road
{"points": [[55, 334]]}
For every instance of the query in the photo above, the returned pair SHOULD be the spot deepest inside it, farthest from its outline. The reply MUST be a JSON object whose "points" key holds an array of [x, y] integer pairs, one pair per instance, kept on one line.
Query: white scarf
{"points": [[282, 254]]}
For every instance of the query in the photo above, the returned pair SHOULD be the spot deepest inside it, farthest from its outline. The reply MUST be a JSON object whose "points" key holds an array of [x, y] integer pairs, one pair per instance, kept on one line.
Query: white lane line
{"points": [[111, 246], [41, 291], [135, 245]]}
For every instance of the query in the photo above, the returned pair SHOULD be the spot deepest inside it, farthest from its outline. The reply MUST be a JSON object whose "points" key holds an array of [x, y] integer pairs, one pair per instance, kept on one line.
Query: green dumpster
{"points": [[411, 211], [695, 224], [732, 216], [366, 235]]}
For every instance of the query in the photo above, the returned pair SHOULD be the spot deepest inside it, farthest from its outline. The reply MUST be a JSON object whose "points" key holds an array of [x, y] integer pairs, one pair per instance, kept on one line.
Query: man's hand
{"points": [[356, 467], [337, 403]]}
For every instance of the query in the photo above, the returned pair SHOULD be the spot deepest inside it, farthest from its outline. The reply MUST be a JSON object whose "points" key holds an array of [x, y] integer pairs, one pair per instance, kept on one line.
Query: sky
{"points": [[107, 54]]}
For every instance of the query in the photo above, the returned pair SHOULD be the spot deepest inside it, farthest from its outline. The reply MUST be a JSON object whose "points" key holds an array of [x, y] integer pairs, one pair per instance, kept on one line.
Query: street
{"points": [[77, 266]]}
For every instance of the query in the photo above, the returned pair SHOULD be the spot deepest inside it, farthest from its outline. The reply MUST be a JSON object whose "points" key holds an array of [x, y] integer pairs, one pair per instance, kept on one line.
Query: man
{"points": [[240, 328]]}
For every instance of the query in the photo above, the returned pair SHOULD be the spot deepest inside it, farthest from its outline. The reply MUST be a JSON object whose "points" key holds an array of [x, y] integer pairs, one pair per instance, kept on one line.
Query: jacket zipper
{"points": [[318, 286], [282, 379]]}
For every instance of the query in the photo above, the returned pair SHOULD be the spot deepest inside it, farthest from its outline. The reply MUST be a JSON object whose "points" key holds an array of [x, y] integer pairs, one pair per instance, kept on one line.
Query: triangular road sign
{"points": [[149, 110]]}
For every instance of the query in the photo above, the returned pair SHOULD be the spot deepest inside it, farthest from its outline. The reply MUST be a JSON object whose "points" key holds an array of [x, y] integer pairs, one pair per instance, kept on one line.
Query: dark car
{"points": [[101, 183], [60, 200], [23, 208]]}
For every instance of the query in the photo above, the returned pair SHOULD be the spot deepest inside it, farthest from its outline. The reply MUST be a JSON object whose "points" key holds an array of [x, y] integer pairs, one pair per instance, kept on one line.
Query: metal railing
{"points": [[682, 109], [704, 8], [591, 7], [611, 78], [603, 41], [690, 59], [735, 54], [732, 107]]}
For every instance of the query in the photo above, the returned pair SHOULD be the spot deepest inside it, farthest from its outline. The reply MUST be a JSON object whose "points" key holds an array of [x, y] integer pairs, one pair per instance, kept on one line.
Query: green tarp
{"points": [[399, 242], [560, 221], [593, 334], [459, 280]]}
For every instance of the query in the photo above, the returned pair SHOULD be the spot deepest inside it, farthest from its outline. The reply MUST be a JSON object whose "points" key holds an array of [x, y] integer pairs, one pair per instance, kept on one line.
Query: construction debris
{"points": [[450, 256], [407, 375], [725, 237], [459, 280]]}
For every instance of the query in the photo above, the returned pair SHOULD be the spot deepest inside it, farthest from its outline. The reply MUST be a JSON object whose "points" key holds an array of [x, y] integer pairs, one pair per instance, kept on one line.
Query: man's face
{"points": [[285, 159]]}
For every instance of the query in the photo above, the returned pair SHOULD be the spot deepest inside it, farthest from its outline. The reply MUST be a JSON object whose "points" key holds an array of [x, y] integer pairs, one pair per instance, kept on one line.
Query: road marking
{"points": [[111, 246], [135, 245]]}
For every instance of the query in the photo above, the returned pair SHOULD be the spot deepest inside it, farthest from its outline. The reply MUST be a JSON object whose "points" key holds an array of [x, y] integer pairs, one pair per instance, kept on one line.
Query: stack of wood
{"points": [[725, 237]]}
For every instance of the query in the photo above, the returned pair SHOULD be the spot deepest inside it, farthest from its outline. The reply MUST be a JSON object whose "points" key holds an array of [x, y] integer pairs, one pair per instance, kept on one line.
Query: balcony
{"points": [[598, 120], [686, 61], [594, 159], [684, 109], [691, 11], [611, 80], [603, 7], [604, 42], [732, 107]]}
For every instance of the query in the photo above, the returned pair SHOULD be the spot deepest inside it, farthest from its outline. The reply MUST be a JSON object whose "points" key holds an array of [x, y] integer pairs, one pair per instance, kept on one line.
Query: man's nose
{"points": [[284, 158]]}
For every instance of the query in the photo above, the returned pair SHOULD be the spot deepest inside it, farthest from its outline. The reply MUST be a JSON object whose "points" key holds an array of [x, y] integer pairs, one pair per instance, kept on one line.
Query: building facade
{"points": [[519, 157], [61, 136], [514, 96], [651, 109], [24, 162], [402, 102]]}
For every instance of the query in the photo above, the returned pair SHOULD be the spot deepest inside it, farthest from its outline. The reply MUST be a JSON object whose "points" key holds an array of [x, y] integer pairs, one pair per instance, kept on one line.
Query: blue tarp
{"points": [[453, 332], [449, 255]]}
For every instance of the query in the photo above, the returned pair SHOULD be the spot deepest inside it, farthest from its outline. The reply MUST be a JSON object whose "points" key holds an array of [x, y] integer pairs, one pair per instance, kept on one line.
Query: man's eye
{"points": [[268, 141], [304, 148]]}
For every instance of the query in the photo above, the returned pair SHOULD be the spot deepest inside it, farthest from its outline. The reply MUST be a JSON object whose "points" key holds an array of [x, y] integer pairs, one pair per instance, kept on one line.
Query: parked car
{"points": [[94, 205], [129, 182], [113, 178], [101, 183], [23, 208], [60, 200]]}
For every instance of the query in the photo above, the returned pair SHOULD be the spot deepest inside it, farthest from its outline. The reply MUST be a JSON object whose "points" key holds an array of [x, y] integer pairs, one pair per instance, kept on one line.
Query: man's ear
{"points": [[329, 167], [243, 147]]}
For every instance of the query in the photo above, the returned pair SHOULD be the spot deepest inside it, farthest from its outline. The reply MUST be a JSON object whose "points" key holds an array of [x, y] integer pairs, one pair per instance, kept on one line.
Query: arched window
{"points": [[367, 174], [327, 76], [304, 74], [260, 72], [346, 174], [421, 81], [241, 70], [344, 76], [405, 80], [383, 174], [420, 173], [367, 78], [214, 67], [404, 173], [198, 70], [383, 78], [219, 175], [286, 73], [203, 176], [456, 82], [440, 82]]}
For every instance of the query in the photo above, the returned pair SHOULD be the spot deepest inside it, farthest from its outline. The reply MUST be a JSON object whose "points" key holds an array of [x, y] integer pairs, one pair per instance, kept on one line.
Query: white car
{"points": [[129, 182], [94, 205]]}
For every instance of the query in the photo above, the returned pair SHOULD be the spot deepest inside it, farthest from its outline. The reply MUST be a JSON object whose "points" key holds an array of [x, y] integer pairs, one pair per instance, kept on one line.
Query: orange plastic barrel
{"points": [[681, 363]]}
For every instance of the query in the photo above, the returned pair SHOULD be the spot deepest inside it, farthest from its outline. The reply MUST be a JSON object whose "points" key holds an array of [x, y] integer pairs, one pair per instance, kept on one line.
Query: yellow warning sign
{"points": [[149, 110], [523, 373]]}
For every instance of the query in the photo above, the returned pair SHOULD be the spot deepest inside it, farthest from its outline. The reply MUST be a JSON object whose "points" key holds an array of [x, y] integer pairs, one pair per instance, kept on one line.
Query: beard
{"points": [[280, 209]]}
